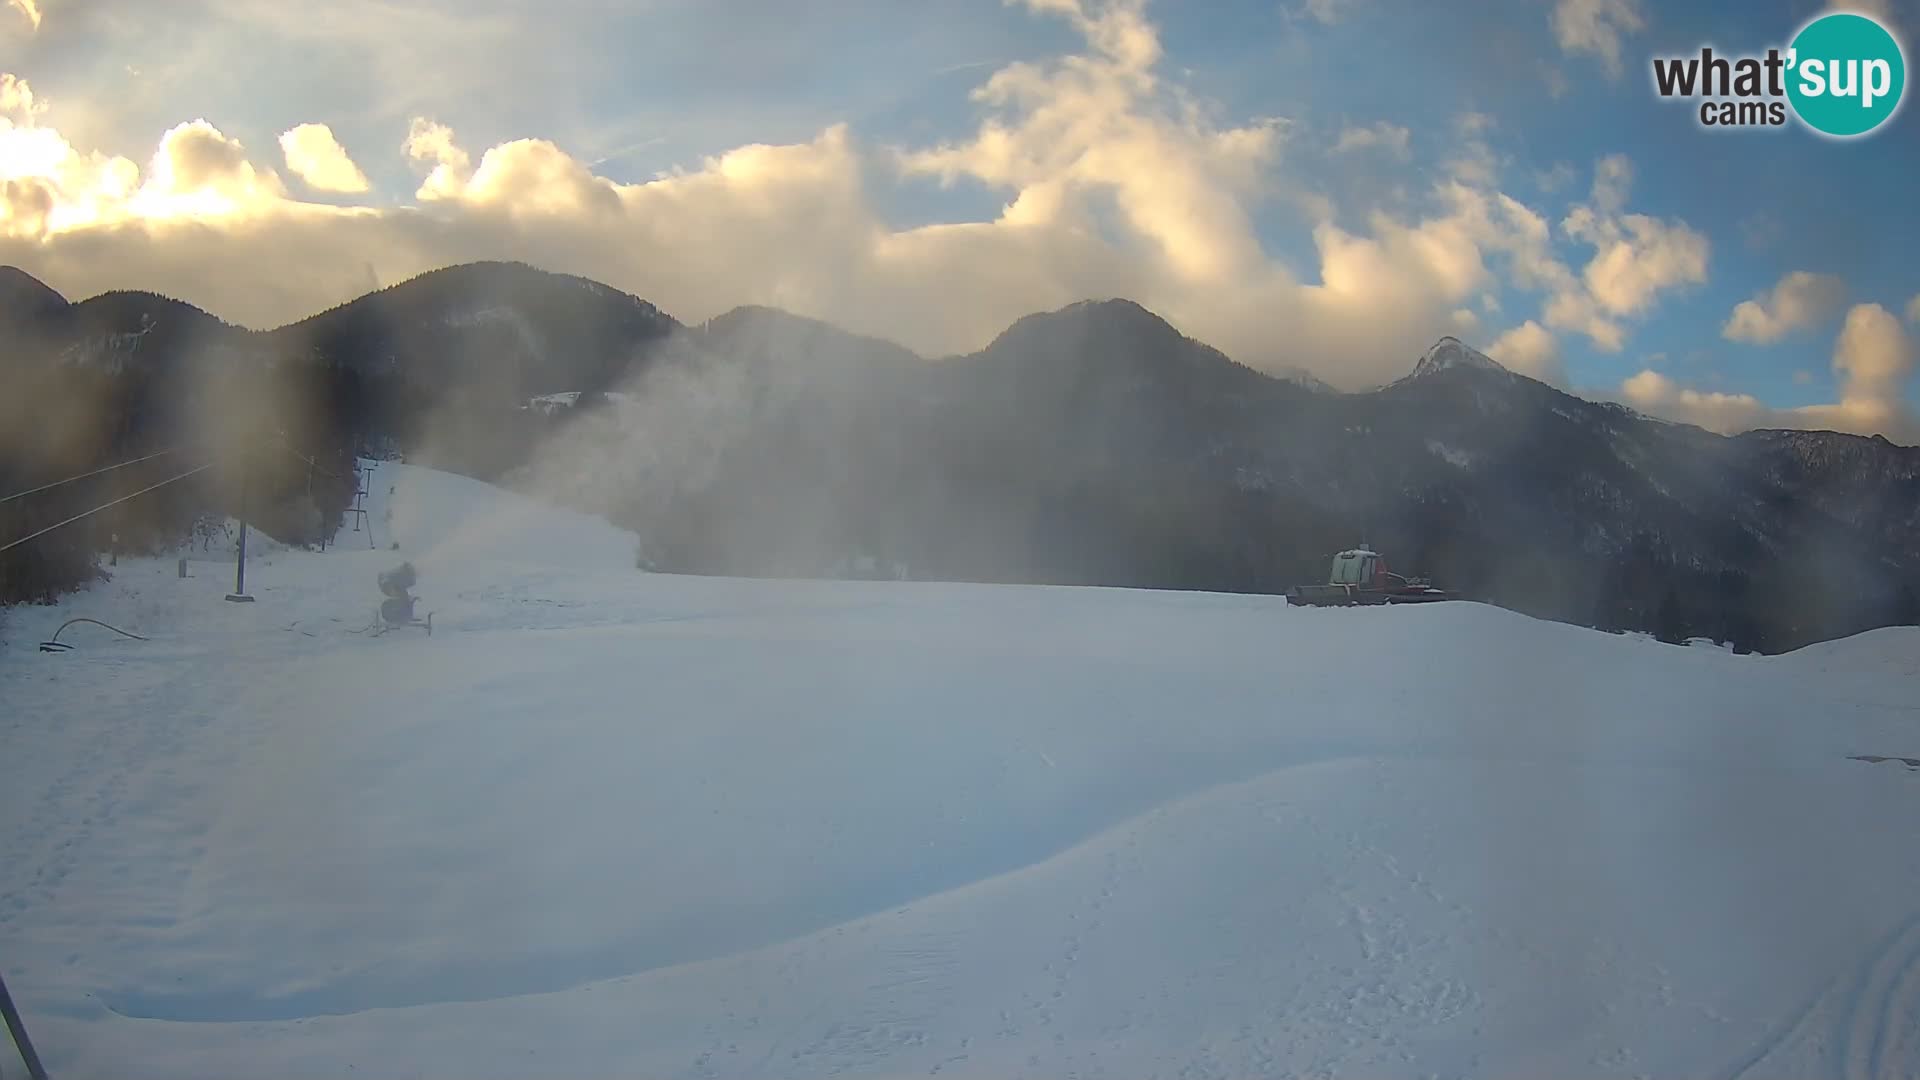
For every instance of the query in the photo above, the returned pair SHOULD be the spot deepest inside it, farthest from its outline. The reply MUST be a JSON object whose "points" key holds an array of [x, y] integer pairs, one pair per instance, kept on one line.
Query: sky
{"points": [[1324, 184]]}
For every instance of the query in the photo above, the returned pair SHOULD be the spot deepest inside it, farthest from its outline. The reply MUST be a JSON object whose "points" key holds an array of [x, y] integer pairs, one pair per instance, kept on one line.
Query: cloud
{"points": [[645, 144], [16, 98], [1761, 230], [1913, 309], [1530, 349], [49, 190], [201, 172], [1113, 180], [17, 103], [1596, 27], [1799, 301], [28, 8], [1326, 12], [1473, 123], [1089, 127], [1473, 160], [1553, 179], [1636, 258], [381, 59], [1873, 359], [432, 143], [1612, 179], [1654, 393], [536, 178], [45, 184], [315, 156], [1874, 355], [1389, 139]]}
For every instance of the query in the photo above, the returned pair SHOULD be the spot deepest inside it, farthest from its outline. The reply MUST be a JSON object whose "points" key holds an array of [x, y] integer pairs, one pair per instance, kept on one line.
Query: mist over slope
{"points": [[1091, 445]]}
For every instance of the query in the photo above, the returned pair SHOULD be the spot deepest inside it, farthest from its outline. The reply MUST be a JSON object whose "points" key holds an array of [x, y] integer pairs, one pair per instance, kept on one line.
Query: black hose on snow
{"points": [[54, 644]]}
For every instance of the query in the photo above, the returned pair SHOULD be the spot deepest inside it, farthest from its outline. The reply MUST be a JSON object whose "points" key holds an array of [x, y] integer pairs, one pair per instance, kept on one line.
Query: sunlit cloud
{"points": [[1660, 395], [1112, 179], [17, 103], [1597, 27], [200, 173], [1800, 301], [1393, 140], [1873, 363], [1874, 356], [316, 157], [1636, 256], [432, 143], [28, 8], [1531, 350]]}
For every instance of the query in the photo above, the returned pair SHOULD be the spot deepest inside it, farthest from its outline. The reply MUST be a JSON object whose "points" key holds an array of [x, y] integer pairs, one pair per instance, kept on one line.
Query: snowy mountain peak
{"points": [[1451, 352], [1300, 376]]}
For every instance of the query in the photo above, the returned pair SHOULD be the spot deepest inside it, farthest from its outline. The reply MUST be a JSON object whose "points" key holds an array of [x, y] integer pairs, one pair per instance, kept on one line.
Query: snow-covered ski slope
{"points": [[607, 823]]}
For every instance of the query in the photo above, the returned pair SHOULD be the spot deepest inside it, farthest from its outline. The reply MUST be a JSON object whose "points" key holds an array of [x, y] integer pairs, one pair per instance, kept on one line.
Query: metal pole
{"points": [[18, 1029], [240, 564], [239, 594]]}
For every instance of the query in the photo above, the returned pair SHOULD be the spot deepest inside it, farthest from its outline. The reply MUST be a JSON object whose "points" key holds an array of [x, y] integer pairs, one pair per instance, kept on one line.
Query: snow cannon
{"points": [[397, 609]]}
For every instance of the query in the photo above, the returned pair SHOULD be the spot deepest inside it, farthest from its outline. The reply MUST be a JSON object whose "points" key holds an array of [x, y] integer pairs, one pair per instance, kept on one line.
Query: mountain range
{"points": [[1095, 444]]}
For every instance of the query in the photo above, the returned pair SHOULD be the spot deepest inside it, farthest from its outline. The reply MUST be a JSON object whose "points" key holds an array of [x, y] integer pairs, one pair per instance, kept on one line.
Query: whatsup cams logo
{"points": [[1843, 75]]}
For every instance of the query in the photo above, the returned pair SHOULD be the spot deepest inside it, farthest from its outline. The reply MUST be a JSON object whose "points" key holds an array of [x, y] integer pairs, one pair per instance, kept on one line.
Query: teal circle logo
{"points": [[1846, 75]]}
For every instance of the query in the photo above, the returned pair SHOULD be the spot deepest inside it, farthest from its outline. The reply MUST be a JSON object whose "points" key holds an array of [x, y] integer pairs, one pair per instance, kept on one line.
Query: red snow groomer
{"points": [[1360, 576]]}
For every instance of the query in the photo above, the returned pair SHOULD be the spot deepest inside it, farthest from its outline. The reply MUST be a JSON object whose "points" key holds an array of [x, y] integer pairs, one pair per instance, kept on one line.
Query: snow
{"points": [[1459, 459], [109, 351], [1450, 352], [1893, 650], [1248, 478], [549, 404], [480, 316], [1307, 379], [604, 822]]}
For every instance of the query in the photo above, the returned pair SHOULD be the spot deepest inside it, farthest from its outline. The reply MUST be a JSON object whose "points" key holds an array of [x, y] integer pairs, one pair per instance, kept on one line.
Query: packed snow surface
{"points": [[606, 823]]}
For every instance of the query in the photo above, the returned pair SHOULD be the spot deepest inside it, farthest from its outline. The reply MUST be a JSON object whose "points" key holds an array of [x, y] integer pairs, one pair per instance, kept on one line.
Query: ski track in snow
{"points": [[1875, 1007], [604, 821]]}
